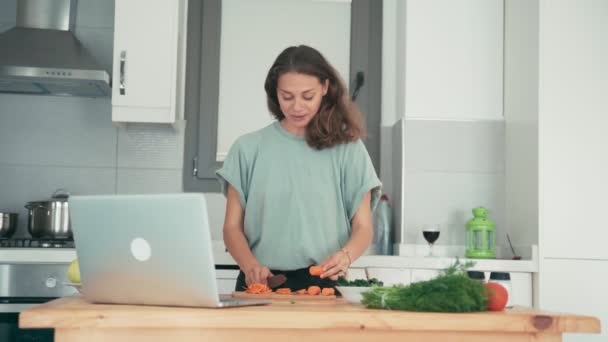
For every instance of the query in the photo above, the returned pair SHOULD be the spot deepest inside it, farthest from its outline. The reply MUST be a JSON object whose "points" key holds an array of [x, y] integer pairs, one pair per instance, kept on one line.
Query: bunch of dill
{"points": [[451, 291]]}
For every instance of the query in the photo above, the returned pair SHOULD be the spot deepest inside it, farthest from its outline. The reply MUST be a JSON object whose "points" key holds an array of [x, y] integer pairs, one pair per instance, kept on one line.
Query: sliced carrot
{"points": [[258, 288], [314, 290], [301, 292], [315, 270], [283, 291], [328, 291]]}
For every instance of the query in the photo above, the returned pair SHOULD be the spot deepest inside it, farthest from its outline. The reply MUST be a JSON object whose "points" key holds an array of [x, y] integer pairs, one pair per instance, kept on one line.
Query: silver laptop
{"points": [[147, 249]]}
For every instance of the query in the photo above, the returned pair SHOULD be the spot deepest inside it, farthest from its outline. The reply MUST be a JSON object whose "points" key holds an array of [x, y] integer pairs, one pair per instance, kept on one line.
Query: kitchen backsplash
{"points": [[451, 167], [55, 142]]}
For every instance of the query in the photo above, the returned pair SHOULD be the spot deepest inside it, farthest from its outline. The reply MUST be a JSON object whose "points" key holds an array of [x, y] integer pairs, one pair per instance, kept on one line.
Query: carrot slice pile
{"points": [[258, 288]]}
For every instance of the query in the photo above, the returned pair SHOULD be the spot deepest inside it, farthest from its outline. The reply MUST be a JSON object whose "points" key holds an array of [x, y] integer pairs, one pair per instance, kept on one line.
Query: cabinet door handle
{"points": [[123, 61]]}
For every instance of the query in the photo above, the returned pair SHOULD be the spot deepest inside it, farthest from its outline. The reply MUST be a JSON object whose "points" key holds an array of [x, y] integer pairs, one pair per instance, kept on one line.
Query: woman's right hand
{"points": [[257, 274]]}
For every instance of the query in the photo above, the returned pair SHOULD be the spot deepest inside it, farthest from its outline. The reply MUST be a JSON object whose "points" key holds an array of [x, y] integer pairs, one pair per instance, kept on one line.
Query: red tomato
{"points": [[497, 296]]}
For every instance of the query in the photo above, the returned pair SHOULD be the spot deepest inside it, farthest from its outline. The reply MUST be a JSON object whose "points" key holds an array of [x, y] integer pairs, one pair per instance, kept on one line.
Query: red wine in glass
{"points": [[431, 234]]}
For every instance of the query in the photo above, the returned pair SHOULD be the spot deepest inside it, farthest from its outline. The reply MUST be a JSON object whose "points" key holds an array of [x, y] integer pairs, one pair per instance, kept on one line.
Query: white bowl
{"points": [[352, 294]]}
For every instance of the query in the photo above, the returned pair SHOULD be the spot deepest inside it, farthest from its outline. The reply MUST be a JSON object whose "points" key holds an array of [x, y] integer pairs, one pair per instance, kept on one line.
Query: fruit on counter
{"points": [[315, 270], [497, 296], [74, 272]]}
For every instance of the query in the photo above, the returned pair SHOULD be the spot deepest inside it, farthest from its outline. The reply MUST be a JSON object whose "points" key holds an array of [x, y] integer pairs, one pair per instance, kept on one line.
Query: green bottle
{"points": [[480, 236]]}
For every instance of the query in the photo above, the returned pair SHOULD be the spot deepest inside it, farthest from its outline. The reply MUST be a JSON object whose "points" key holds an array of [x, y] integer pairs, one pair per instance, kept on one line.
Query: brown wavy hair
{"points": [[338, 119]]}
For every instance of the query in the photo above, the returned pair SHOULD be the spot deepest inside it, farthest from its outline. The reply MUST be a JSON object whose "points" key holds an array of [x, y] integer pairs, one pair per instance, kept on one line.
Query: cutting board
{"points": [[275, 296]]}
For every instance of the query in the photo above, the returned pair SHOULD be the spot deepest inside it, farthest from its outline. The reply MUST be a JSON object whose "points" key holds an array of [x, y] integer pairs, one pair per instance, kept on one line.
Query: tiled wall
{"points": [[450, 168], [55, 142]]}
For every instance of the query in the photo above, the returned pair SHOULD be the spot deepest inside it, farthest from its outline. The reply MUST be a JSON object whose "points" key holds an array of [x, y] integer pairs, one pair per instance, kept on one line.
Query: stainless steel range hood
{"points": [[42, 56]]}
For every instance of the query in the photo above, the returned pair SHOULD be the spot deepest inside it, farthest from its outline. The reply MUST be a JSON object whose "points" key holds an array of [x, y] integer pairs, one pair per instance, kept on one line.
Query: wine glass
{"points": [[431, 234]]}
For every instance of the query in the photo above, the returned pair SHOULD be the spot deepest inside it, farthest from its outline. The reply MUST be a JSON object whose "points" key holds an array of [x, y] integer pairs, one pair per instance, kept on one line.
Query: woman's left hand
{"points": [[335, 265]]}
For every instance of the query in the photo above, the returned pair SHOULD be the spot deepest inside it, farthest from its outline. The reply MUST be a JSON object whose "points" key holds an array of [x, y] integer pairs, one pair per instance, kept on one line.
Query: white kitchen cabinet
{"points": [[149, 60], [226, 280], [453, 59], [521, 289], [576, 286], [390, 276]]}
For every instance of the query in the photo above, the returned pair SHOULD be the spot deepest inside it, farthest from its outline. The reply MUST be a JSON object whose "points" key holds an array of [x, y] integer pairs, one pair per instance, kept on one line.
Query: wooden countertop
{"points": [[75, 312]]}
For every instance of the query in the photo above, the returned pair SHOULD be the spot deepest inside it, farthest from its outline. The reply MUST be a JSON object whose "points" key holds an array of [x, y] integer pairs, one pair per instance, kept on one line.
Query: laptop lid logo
{"points": [[140, 249]]}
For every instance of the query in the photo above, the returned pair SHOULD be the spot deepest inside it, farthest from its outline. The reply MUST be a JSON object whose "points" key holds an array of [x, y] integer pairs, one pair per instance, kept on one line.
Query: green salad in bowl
{"points": [[352, 290]]}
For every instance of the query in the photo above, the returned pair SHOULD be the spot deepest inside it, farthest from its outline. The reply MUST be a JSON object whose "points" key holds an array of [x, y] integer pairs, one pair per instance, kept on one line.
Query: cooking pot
{"points": [[8, 224], [50, 218]]}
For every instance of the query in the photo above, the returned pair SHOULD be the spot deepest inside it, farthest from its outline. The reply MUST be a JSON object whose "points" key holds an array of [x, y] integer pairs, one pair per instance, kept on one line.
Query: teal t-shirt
{"points": [[298, 201]]}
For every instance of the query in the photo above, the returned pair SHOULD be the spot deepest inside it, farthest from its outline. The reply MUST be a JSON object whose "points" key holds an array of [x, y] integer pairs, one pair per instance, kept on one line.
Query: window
{"points": [[212, 108]]}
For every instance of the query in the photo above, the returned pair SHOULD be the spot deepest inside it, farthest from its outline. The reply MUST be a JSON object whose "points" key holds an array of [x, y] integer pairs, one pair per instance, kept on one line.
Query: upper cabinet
{"points": [[453, 59], [149, 60]]}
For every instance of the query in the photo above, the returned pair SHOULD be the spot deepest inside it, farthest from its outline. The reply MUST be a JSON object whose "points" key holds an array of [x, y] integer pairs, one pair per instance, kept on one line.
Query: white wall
{"points": [[247, 54], [453, 59], [442, 59], [451, 167], [443, 73], [521, 120]]}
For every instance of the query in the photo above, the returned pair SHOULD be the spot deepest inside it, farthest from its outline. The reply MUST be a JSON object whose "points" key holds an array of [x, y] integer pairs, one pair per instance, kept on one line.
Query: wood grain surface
{"points": [[77, 313]]}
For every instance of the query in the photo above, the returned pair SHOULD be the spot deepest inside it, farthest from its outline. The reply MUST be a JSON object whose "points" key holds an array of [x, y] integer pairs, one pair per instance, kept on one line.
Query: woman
{"points": [[300, 191]]}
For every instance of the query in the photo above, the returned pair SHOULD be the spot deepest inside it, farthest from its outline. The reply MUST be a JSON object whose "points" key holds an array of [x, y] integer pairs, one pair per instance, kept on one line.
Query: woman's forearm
{"points": [[360, 240], [362, 230], [234, 235], [238, 247]]}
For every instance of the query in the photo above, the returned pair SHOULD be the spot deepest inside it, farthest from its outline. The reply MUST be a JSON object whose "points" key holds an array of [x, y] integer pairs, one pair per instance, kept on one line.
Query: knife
{"points": [[276, 280]]}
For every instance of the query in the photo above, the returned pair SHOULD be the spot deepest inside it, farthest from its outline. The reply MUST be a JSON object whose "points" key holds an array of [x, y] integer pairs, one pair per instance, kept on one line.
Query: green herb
{"points": [[451, 291], [359, 282]]}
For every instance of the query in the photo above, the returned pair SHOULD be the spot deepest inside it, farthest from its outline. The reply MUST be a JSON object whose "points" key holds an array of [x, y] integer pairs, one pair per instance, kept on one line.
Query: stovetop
{"points": [[36, 243]]}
